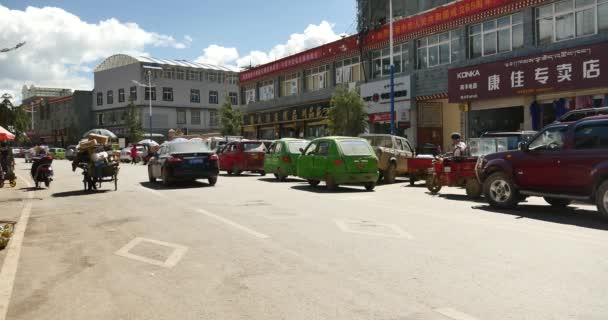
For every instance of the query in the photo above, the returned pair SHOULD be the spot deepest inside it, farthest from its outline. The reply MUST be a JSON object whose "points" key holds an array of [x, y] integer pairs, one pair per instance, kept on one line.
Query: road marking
{"points": [[234, 224], [158, 193], [11, 260], [454, 314], [391, 230], [178, 252]]}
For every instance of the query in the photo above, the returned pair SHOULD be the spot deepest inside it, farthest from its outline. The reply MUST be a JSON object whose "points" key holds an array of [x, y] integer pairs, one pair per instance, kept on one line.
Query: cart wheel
{"points": [[412, 179], [1, 183], [86, 185], [433, 185], [473, 188], [115, 183], [13, 183]]}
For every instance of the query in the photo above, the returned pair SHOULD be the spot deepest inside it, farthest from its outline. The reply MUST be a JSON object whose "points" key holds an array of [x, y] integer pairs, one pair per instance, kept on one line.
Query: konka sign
{"points": [[568, 69]]}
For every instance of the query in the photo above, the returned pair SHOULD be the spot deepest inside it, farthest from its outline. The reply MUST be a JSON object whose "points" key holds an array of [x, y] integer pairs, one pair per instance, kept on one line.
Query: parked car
{"points": [[579, 114], [57, 153], [216, 144], [282, 157], [239, 156], [339, 160], [180, 161], [562, 163], [70, 152], [18, 152], [393, 154]]}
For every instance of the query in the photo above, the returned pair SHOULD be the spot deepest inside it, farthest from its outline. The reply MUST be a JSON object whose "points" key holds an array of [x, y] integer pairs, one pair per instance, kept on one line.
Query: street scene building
{"points": [[32, 93], [184, 95], [432, 39]]}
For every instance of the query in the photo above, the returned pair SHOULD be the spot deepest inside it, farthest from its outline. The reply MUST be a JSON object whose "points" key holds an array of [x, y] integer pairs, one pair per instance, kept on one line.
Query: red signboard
{"points": [[380, 117], [568, 69]]}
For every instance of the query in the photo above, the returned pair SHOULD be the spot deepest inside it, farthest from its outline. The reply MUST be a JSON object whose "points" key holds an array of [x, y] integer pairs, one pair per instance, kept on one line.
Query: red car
{"points": [[239, 156], [562, 163]]}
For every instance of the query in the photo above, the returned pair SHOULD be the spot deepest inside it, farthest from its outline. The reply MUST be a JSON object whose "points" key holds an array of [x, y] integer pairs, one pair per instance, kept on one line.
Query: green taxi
{"points": [[57, 153], [339, 160], [282, 157]]}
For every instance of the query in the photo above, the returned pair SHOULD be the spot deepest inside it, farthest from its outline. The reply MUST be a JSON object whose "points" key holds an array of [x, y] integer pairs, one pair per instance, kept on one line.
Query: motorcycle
{"points": [[42, 172]]}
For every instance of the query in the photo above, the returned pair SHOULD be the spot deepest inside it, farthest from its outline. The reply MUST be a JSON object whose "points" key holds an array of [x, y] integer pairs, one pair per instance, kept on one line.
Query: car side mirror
{"points": [[301, 150], [523, 146]]}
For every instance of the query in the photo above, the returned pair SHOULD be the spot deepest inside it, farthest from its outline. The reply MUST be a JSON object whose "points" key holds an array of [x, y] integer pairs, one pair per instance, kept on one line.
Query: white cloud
{"points": [[313, 36], [61, 47]]}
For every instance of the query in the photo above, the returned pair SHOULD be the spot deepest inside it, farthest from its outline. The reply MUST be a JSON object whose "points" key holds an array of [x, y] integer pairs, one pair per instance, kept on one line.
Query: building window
{"points": [[234, 98], [381, 61], [133, 93], [213, 97], [148, 91], [181, 117], [180, 74], [213, 119], [113, 117], [100, 119], [195, 96], [496, 36], [570, 19], [193, 75], [249, 95], [438, 49], [121, 95], [195, 116], [289, 85], [167, 94], [212, 76], [168, 73], [348, 70], [99, 98], [233, 79], [110, 97], [266, 90], [316, 78]]}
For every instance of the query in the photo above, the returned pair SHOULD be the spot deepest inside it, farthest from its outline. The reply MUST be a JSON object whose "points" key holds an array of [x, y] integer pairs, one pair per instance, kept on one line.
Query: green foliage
{"points": [[15, 119], [231, 119], [347, 115], [133, 123]]}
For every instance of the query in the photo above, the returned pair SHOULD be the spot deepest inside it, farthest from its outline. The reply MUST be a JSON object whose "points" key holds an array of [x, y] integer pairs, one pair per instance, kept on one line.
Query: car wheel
{"points": [[330, 183], [473, 188], [229, 172], [500, 191], [370, 186], [165, 177], [276, 176], [601, 198], [314, 183], [432, 184], [262, 173], [150, 176], [412, 179], [47, 183], [212, 181], [390, 173], [557, 202]]}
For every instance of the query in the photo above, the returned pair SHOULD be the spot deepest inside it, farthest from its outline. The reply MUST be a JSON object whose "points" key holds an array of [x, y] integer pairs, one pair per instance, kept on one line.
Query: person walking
{"points": [[134, 155]]}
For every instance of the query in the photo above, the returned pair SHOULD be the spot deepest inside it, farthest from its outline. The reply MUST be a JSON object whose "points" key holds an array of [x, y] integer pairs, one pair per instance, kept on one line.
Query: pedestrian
{"points": [[134, 155]]}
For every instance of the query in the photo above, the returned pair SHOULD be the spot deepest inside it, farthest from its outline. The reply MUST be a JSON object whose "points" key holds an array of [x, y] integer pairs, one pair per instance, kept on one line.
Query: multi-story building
{"points": [[62, 120], [184, 95], [33, 93], [512, 65]]}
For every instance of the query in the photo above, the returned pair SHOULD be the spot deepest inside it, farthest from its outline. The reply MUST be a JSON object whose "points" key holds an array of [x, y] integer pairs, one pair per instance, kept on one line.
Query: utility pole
{"points": [[390, 6]]}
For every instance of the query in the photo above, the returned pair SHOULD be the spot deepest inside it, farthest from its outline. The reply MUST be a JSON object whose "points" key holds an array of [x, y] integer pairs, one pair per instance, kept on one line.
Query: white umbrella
{"points": [[102, 132], [179, 140], [148, 142]]}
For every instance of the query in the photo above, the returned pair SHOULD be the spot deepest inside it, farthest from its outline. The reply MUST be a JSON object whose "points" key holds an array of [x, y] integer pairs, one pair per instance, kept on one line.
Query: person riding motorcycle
{"points": [[459, 147], [40, 153]]}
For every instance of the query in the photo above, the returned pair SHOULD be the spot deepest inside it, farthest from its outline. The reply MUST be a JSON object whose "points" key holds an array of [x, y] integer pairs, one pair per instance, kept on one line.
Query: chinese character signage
{"points": [[309, 112], [567, 69]]}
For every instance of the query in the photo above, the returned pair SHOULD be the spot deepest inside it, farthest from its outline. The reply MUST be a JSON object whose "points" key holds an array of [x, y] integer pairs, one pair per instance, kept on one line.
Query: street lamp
{"points": [[390, 9], [149, 72]]}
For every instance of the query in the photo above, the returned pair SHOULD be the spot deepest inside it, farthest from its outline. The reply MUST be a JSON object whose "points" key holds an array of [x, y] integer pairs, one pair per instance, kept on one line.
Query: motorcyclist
{"points": [[459, 147], [40, 153]]}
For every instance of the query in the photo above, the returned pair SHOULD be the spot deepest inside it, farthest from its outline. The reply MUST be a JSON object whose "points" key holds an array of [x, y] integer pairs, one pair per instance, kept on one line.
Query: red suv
{"points": [[562, 163]]}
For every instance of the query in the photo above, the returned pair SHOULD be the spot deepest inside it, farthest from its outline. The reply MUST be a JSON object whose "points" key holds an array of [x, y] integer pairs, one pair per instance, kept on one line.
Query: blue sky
{"points": [[246, 25]]}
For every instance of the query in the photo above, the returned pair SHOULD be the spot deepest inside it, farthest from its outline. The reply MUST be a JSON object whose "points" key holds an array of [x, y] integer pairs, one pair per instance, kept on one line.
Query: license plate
{"points": [[196, 161]]}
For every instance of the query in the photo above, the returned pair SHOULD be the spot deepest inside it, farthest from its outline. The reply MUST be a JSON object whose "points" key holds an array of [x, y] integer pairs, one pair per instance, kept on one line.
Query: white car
{"points": [[125, 154]]}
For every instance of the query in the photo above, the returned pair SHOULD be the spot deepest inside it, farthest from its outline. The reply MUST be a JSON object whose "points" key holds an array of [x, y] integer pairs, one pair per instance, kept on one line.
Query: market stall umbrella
{"points": [[148, 142], [102, 132], [6, 135]]}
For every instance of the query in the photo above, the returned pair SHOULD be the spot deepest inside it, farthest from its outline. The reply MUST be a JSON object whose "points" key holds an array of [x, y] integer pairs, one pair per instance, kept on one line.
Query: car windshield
{"points": [[294, 147], [254, 147], [354, 148], [551, 138], [188, 147], [379, 141]]}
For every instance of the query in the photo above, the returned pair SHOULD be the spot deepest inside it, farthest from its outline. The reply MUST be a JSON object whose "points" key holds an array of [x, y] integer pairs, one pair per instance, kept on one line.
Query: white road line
{"points": [[234, 224], [454, 314], [11, 260], [158, 193], [176, 255]]}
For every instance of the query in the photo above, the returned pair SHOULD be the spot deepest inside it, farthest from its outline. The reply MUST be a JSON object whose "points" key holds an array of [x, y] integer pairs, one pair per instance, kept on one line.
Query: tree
{"points": [[347, 115], [231, 119], [133, 122], [20, 124], [73, 132]]}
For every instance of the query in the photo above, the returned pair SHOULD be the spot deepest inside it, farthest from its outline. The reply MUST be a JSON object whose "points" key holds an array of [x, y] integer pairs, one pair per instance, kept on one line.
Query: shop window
{"points": [[316, 78], [496, 36], [266, 90], [381, 61], [289, 85], [348, 70], [249, 95], [569, 19], [438, 49]]}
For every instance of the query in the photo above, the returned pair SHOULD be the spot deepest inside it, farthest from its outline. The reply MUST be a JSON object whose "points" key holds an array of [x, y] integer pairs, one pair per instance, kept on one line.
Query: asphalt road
{"points": [[253, 248]]}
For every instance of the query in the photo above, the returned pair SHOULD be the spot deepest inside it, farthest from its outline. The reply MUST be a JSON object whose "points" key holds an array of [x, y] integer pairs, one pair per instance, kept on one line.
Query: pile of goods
{"points": [[6, 231], [97, 154]]}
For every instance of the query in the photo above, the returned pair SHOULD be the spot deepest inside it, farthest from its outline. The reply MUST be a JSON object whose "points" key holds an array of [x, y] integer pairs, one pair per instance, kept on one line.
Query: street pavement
{"points": [[253, 248]]}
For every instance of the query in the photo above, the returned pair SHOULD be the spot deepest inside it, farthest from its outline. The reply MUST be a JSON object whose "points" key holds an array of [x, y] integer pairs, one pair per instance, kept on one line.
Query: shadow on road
{"points": [[175, 185], [77, 193], [569, 215], [30, 189], [459, 197], [323, 189], [242, 175], [273, 180]]}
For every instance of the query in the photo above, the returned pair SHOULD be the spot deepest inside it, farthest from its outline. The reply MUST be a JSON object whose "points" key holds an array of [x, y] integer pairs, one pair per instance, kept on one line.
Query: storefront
{"points": [[531, 92], [307, 121], [437, 120], [377, 98]]}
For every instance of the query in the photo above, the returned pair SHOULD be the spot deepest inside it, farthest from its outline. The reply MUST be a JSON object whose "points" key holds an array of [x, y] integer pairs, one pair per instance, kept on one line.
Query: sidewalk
{"points": [[12, 201]]}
